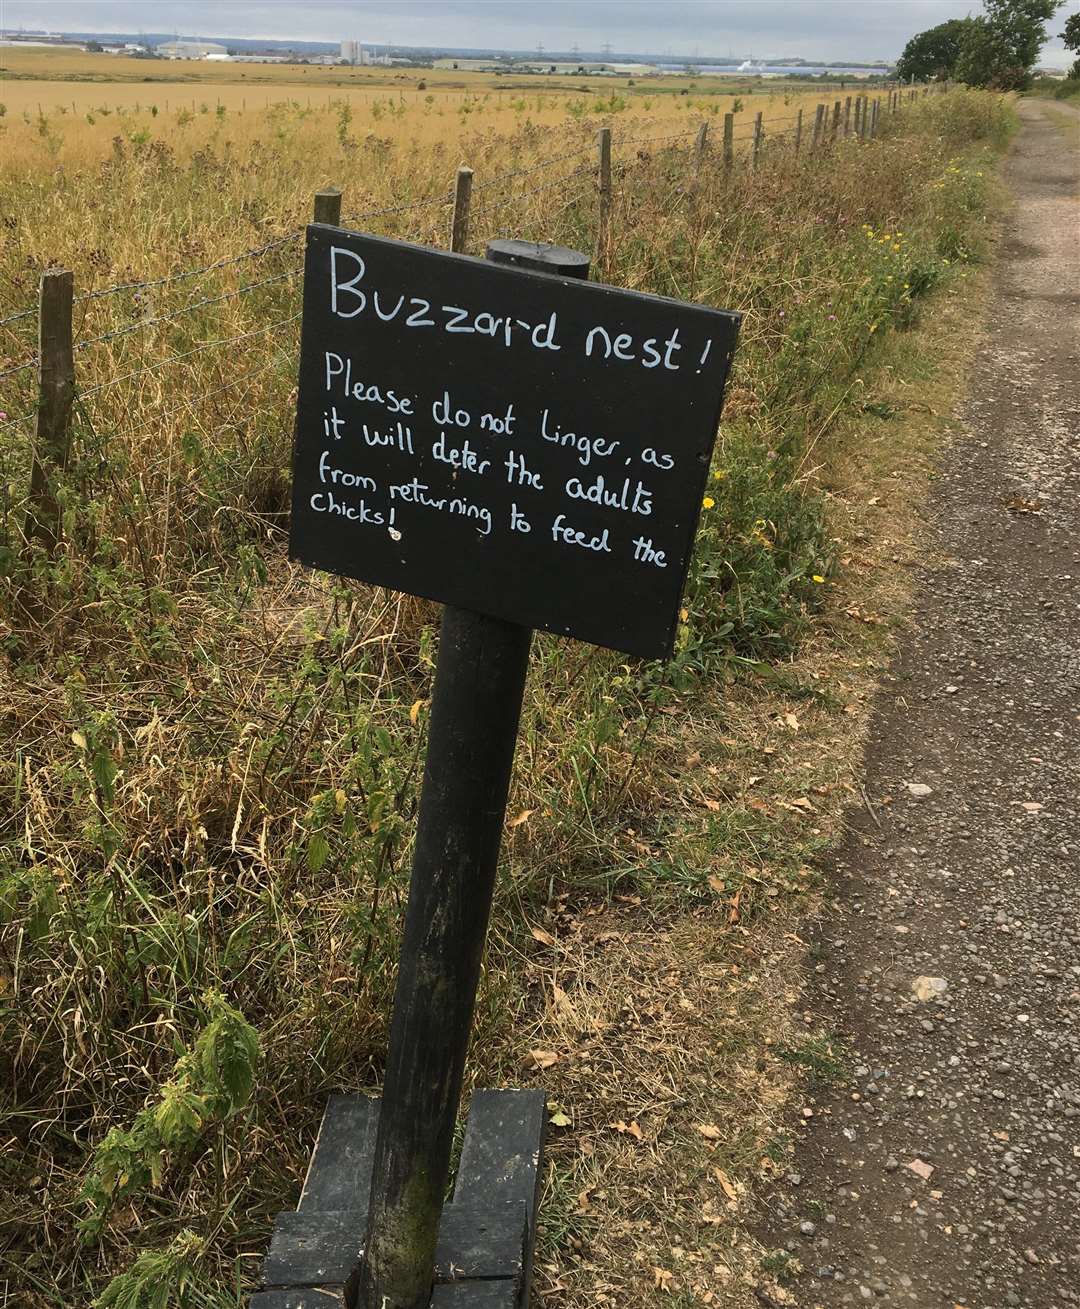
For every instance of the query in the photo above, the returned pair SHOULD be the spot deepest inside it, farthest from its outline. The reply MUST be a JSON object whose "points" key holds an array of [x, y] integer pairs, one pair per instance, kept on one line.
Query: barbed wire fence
{"points": [[494, 203]]}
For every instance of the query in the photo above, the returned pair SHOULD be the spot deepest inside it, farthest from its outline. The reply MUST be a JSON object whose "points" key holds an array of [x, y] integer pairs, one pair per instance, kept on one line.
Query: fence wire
{"points": [[256, 253], [742, 132], [186, 354], [485, 204], [144, 323]]}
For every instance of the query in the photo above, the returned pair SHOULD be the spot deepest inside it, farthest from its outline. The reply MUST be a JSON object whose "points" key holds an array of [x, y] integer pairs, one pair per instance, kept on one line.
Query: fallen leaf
{"points": [[802, 803], [414, 712], [543, 1058], [563, 1003], [627, 1129], [1018, 505], [709, 1132], [727, 1184], [79, 740], [662, 1279], [545, 938], [559, 1119], [792, 722], [523, 817]]}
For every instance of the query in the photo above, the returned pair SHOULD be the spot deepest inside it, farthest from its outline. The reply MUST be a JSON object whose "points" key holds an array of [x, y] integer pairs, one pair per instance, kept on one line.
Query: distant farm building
{"points": [[190, 50]]}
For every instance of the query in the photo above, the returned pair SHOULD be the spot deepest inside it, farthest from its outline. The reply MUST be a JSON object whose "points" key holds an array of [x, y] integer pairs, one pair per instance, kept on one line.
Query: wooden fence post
{"points": [[459, 228], [819, 118], [864, 119], [700, 146], [729, 140], [756, 149], [798, 131], [328, 206], [835, 126], [56, 391], [874, 118], [603, 214], [847, 116]]}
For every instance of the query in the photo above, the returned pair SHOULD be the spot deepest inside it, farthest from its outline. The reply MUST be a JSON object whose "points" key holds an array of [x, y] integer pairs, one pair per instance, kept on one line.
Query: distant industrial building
{"points": [[559, 67], [190, 50], [475, 65]]}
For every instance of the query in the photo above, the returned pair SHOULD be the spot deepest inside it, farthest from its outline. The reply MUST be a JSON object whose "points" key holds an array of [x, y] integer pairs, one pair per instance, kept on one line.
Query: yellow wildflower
{"points": [[817, 578], [708, 502]]}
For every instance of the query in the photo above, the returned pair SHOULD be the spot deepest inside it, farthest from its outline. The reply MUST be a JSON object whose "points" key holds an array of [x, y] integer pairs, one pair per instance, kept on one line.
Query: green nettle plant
{"points": [[210, 1083], [158, 1279]]}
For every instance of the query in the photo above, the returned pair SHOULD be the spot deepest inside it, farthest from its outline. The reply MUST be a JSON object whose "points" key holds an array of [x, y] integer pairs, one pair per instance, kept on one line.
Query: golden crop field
{"points": [[208, 786], [418, 105]]}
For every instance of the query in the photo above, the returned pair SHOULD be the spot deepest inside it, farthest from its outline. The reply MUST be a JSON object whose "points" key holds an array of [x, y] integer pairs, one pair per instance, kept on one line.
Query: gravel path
{"points": [[949, 1173]]}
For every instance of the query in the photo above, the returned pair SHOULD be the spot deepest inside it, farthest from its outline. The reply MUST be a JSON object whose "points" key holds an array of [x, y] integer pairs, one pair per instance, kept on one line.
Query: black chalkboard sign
{"points": [[524, 445]]}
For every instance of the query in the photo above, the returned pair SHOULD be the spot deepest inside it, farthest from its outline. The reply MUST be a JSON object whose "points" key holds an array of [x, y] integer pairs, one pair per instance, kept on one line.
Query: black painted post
{"points": [[476, 704]]}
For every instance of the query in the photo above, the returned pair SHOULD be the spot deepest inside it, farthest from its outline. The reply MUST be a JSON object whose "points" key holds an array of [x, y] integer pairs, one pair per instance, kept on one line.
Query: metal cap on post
{"points": [[540, 256]]}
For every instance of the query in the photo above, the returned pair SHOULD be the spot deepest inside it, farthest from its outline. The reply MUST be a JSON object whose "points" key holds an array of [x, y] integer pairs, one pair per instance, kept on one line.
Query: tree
{"points": [[933, 54], [1000, 48], [1071, 37]]}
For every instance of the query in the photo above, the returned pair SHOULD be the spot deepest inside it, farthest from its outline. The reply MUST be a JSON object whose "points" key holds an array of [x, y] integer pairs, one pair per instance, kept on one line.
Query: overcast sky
{"points": [[814, 29]]}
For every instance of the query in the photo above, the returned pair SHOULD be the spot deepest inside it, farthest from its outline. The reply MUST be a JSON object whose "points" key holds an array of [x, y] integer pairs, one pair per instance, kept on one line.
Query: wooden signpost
{"points": [[531, 450]]}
